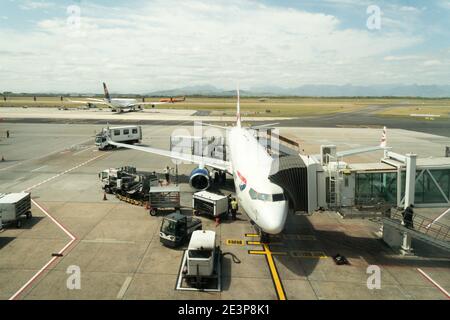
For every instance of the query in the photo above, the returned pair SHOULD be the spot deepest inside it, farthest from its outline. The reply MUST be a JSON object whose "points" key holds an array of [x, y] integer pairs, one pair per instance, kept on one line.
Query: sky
{"points": [[141, 46]]}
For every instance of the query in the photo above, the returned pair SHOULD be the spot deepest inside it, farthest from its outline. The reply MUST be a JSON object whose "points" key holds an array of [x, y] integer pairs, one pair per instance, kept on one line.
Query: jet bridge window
{"points": [[126, 131], [117, 132], [134, 131], [265, 196]]}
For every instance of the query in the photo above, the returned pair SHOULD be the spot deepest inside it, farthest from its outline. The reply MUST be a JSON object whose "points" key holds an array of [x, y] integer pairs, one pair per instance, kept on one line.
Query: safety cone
{"points": [[104, 196]]}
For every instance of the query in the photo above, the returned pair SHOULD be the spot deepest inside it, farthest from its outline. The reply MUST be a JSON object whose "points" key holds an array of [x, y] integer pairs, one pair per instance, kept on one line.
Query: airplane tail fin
{"points": [[383, 142], [238, 110], [107, 96]]}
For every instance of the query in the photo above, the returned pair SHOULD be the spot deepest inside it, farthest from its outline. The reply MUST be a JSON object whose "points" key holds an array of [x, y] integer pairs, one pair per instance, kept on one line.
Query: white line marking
{"points": [[44, 268], [62, 173], [45, 155], [77, 153], [37, 169], [443, 214], [18, 179], [124, 287], [434, 282]]}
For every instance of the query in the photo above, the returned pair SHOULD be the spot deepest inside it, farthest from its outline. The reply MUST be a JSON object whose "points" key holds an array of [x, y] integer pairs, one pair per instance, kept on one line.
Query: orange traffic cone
{"points": [[104, 196]]}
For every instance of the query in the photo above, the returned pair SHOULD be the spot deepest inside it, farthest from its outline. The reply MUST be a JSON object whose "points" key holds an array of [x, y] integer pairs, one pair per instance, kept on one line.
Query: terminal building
{"points": [[397, 180]]}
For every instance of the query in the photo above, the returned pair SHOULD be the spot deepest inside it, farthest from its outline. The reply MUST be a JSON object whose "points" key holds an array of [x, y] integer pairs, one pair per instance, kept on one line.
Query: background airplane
{"points": [[119, 104]]}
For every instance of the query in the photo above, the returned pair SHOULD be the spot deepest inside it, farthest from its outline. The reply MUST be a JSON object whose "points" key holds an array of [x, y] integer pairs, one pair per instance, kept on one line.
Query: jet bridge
{"points": [[290, 173]]}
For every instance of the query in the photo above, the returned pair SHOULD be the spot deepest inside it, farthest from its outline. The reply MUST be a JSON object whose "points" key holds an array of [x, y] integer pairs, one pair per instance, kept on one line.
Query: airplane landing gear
{"points": [[263, 237]]}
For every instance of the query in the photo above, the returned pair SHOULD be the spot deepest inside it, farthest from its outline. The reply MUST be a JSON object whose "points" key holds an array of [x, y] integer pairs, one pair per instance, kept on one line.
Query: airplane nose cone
{"points": [[273, 218]]}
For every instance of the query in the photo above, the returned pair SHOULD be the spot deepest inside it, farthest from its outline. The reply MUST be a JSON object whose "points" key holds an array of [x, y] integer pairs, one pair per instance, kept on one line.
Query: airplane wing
{"points": [[203, 161], [96, 100], [146, 103], [91, 101]]}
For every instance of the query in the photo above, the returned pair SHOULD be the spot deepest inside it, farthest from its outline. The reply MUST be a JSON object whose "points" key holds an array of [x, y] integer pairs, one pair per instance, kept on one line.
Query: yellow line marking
{"points": [[235, 242], [275, 277], [255, 243], [274, 253], [252, 235]]}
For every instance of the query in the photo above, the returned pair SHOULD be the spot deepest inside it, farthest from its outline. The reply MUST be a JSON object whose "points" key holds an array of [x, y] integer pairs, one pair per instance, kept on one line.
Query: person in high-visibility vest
{"points": [[234, 208]]}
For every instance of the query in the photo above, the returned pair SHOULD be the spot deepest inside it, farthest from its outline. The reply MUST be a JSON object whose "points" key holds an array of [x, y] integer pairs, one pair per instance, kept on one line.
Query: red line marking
{"points": [[434, 283], [47, 265]]}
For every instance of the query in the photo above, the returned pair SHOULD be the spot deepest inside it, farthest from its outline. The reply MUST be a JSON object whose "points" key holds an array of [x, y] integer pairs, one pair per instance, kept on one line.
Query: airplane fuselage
{"points": [[262, 200]]}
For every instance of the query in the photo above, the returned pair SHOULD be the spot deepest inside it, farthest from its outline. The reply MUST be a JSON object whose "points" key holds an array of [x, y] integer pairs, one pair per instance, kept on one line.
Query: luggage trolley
{"points": [[167, 197]]}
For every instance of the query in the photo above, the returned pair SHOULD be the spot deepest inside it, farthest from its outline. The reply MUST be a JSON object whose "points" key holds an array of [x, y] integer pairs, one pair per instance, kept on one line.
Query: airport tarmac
{"points": [[116, 245]]}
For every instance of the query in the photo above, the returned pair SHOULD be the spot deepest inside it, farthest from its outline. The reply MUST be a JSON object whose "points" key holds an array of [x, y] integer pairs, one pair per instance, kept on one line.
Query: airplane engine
{"points": [[199, 178]]}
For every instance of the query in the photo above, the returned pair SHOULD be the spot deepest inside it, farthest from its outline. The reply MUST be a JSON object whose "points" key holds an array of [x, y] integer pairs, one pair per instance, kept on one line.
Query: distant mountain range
{"points": [[426, 91]]}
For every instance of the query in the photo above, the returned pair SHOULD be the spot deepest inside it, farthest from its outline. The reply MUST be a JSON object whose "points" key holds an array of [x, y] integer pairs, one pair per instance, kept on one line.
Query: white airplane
{"points": [[119, 105], [250, 165]]}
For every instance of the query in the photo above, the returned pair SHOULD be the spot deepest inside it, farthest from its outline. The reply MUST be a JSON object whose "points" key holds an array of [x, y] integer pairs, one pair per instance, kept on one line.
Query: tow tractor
{"points": [[201, 266], [176, 228]]}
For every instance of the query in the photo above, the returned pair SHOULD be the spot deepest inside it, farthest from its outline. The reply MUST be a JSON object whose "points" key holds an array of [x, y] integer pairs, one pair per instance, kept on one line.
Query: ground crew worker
{"points": [[7, 133], [167, 174], [408, 215], [234, 208]]}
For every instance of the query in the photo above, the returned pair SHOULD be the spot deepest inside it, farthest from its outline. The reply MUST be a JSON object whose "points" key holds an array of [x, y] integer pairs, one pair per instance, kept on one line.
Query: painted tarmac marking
{"points": [[307, 254], [438, 218], [434, 283], [124, 287], [63, 173], [256, 243], [251, 235], [60, 253], [274, 273], [37, 169], [40, 157], [18, 179], [272, 266], [234, 242], [77, 153]]}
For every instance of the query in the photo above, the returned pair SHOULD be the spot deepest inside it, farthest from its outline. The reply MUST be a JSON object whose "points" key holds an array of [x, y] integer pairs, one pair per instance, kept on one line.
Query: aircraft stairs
{"points": [[433, 233]]}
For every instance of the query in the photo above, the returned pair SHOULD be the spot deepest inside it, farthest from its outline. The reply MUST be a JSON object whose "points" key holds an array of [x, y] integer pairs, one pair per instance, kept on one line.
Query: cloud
{"points": [[33, 5], [167, 44], [429, 63]]}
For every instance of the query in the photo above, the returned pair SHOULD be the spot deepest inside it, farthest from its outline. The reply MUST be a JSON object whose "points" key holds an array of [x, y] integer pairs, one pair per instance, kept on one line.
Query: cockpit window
{"points": [[253, 194], [265, 196], [278, 197]]}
